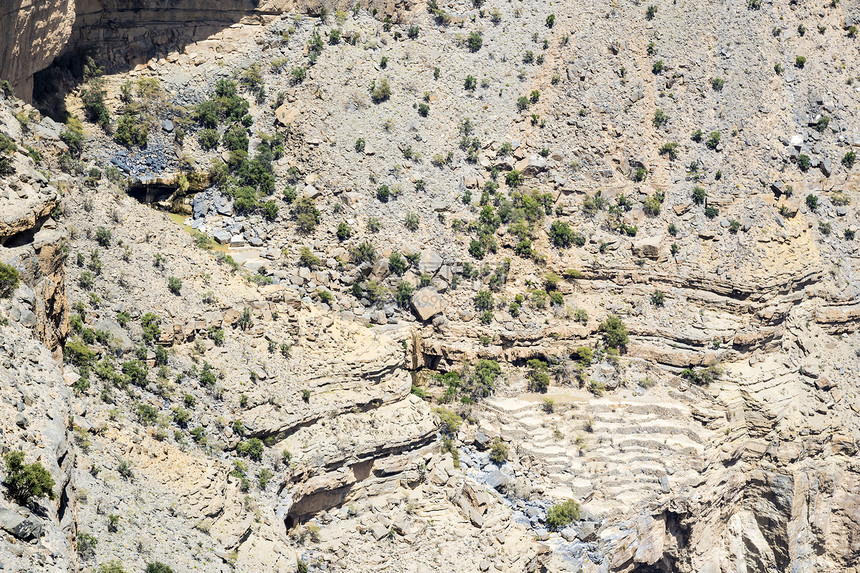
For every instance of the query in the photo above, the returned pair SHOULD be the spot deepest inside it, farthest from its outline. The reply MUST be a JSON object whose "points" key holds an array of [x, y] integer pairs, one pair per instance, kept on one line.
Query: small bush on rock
{"points": [[563, 514]]}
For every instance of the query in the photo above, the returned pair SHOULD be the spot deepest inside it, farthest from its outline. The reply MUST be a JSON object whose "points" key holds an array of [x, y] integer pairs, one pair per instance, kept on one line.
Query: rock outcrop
{"points": [[32, 34]]}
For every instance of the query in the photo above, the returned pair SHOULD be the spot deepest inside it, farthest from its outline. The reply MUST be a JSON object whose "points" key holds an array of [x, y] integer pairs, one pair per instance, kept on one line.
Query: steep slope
{"points": [[633, 231]]}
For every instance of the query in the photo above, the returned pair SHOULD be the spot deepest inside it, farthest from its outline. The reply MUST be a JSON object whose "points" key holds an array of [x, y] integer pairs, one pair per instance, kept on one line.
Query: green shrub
{"points": [[449, 422], [423, 109], [298, 74], [583, 355], [132, 130], [380, 91], [308, 259], [93, 98], [484, 300], [650, 12], [657, 68], [253, 449], [848, 159], [470, 83], [670, 149], [699, 195], [209, 138], [135, 372], [397, 264], [26, 481], [561, 234], [306, 213], [717, 84], [207, 376], [174, 285], [411, 222], [86, 549], [147, 414], [538, 376], [158, 567], [198, 434], [799, 62], [499, 451], [364, 252], [513, 178], [804, 162], [660, 118], [270, 210], [236, 138], [562, 514], [344, 231], [72, 136], [614, 331], [181, 416], [475, 41], [207, 113], [383, 193], [658, 298], [9, 280], [404, 293], [812, 202]]}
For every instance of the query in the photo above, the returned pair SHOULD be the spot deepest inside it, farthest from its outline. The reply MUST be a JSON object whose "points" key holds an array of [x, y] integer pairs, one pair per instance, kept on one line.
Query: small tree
{"points": [[404, 294], [484, 300], [614, 331], [174, 284], [26, 481], [561, 234], [499, 451], [306, 213], [9, 280], [713, 140], [475, 41], [538, 375], [397, 264]]}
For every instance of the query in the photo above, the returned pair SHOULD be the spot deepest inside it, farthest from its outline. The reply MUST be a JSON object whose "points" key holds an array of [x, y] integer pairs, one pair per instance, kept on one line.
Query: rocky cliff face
{"points": [[127, 32], [31, 240], [34, 399], [32, 34]]}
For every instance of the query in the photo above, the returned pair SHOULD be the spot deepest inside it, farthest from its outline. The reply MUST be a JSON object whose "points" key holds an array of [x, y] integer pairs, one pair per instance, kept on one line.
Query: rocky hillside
{"points": [[476, 286]]}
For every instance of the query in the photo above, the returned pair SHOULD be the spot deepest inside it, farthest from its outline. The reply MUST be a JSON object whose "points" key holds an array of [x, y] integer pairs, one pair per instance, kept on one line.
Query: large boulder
{"points": [[429, 262], [649, 247], [286, 115], [427, 303]]}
